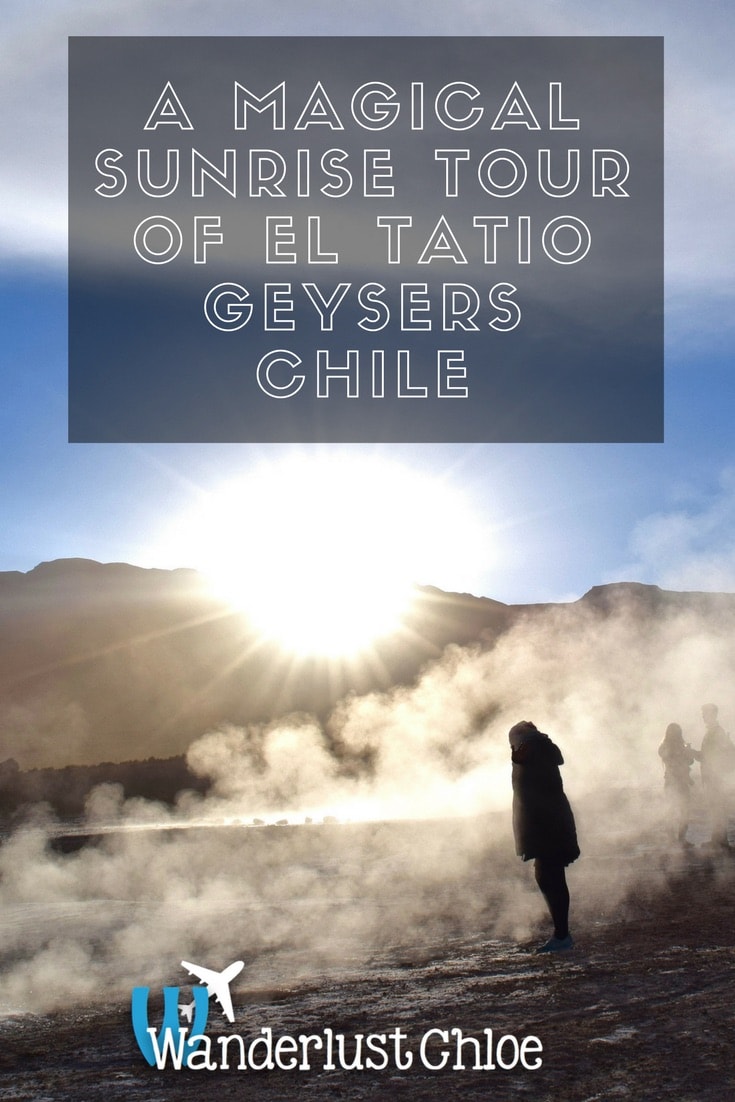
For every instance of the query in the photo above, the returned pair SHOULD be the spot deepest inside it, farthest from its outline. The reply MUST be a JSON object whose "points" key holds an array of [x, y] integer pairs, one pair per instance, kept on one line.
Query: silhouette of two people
{"points": [[716, 759]]}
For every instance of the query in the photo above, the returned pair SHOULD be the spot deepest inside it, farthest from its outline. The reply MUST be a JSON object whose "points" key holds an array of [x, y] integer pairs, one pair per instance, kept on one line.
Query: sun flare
{"points": [[322, 552]]}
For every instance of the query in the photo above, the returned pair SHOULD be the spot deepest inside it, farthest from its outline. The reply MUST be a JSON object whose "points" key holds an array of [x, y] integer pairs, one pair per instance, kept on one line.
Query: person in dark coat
{"points": [[677, 757], [543, 823]]}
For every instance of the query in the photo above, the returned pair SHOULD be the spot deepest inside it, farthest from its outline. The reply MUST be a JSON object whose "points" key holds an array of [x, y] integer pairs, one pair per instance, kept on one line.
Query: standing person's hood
{"points": [[523, 732], [526, 738]]}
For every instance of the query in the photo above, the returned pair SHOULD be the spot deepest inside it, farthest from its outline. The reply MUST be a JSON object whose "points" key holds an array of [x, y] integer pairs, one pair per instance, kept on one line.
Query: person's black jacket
{"points": [[543, 823]]}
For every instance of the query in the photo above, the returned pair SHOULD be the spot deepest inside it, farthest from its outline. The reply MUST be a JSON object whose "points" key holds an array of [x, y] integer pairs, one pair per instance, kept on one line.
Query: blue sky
{"points": [[558, 518]]}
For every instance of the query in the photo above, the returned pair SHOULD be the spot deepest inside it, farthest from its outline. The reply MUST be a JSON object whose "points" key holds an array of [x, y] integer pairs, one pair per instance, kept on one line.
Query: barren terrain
{"points": [[642, 1008]]}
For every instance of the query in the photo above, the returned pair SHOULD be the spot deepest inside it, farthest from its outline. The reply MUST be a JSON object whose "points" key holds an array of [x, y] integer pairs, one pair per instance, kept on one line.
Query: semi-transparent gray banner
{"points": [[365, 239]]}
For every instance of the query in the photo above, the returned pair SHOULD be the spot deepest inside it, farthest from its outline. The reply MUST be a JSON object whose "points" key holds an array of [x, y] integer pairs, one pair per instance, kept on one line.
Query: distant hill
{"points": [[112, 662], [115, 662]]}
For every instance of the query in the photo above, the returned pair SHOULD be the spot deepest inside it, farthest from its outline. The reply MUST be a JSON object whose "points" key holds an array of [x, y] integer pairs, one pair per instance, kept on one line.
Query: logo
{"points": [[178, 1046], [170, 1042]]}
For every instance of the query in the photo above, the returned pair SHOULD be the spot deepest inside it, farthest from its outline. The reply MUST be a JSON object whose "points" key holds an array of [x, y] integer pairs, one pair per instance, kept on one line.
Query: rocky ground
{"points": [[642, 1008]]}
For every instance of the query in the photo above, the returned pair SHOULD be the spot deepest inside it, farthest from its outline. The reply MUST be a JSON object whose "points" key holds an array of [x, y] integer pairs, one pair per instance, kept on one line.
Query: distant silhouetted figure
{"points": [[543, 823], [717, 759], [677, 757]]}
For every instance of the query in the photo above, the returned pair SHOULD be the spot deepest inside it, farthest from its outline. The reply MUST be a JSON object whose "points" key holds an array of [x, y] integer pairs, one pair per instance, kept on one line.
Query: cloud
{"points": [[699, 107], [691, 547]]}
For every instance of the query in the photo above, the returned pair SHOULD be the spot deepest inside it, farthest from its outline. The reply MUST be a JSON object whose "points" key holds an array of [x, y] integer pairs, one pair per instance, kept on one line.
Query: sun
{"points": [[322, 551]]}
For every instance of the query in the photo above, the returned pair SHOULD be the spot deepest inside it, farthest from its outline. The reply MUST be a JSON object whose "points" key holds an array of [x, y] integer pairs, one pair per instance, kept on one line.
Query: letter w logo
{"points": [[171, 1040]]}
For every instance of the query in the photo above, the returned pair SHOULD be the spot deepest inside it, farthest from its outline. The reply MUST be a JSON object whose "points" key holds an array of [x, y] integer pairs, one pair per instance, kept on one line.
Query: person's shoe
{"points": [[557, 945]]}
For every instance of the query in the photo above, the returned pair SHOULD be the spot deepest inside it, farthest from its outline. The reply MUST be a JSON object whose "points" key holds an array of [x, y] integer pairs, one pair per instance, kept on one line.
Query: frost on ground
{"points": [[640, 1009]]}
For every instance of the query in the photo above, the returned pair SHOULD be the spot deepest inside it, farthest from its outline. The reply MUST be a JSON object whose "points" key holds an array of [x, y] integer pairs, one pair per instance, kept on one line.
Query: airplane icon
{"points": [[217, 983], [187, 1009]]}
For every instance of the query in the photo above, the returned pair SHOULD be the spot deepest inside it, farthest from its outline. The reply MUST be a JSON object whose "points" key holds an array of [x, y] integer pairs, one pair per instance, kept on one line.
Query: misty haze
{"points": [[173, 787]]}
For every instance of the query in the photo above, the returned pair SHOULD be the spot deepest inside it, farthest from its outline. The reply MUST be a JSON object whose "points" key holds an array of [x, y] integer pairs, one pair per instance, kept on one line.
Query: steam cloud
{"points": [[419, 780]]}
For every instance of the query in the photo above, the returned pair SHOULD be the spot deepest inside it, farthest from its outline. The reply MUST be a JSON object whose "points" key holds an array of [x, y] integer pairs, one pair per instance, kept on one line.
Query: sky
{"points": [[554, 519]]}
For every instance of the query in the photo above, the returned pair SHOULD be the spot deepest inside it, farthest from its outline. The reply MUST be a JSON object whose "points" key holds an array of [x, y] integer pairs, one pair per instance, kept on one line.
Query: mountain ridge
{"points": [[111, 661]]}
